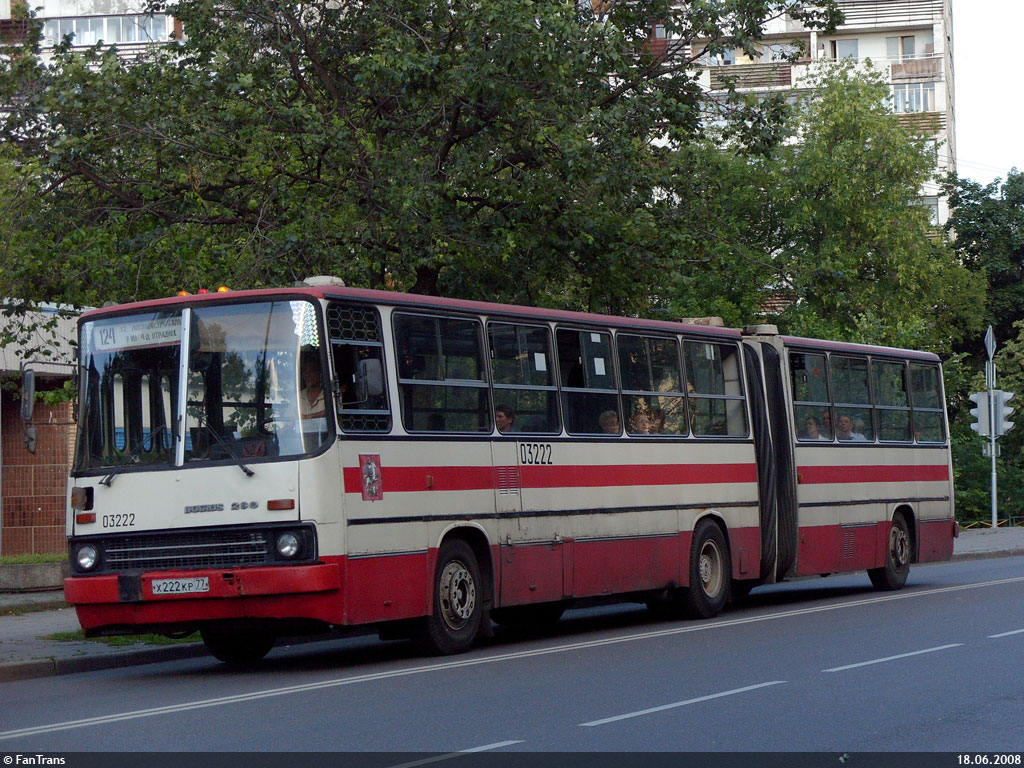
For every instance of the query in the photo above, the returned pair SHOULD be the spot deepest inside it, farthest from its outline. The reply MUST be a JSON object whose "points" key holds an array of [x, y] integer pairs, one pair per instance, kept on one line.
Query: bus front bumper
{"points": [[128, 603]]}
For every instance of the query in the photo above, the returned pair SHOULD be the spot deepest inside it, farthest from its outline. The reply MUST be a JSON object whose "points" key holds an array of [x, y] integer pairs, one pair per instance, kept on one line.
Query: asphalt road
{"points": [[816, 665]]}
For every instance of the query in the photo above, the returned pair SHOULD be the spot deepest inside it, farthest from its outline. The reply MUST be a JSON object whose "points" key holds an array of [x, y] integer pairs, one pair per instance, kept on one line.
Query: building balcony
{"points": [[13, 31], [929, 68], [749, 77], [923, 123]]}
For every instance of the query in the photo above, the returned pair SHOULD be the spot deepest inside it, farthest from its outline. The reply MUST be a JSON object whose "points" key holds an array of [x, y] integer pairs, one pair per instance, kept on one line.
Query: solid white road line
{"points": [[663, 707], [469, 662], [892, 658], [1007, 634], [460, 753]]}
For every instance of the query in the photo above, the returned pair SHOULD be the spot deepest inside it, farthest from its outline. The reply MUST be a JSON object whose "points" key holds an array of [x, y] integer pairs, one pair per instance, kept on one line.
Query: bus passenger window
{"points": [[652, 390], [589, 396], [441, 375], [523, 372], [716, 399], [812, 410], [926, 399], [357, 346], [852, 398], [889, 381]]}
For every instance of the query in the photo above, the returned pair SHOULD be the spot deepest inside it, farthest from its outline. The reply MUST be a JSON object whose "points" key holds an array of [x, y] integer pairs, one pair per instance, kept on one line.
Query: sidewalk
{"points": [[26, 651]]}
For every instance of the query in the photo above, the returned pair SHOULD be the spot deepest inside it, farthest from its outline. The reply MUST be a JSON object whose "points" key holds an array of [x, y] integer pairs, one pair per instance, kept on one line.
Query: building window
{"points": [[900, 48], [913, 97], [844, 49], [931, 205], [780, 52], [90, 30]]}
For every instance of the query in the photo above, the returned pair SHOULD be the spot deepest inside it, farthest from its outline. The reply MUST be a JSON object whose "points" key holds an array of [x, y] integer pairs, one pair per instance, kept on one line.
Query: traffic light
{"points": [[1002, 412], [980, 412]]}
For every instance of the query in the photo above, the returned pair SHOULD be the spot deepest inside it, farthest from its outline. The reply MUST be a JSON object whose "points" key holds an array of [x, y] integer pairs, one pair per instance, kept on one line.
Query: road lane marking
{"points": [[663, 707], [460, 753], [468, 662], [892, 658], [1007, 634]]}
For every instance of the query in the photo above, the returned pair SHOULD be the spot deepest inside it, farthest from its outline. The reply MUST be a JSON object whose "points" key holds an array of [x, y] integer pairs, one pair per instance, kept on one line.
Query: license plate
{"points": [[188, 586]]}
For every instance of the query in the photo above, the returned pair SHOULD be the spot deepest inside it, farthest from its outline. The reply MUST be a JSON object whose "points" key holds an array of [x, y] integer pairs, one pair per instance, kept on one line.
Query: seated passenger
{"points": [[504, 418], [845, 430], [812, 430], [639, 424], [609, 422]]}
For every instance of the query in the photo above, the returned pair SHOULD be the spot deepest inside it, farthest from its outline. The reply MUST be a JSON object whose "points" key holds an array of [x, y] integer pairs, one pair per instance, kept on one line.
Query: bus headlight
{"points": [[86, 557], [288, 545]]}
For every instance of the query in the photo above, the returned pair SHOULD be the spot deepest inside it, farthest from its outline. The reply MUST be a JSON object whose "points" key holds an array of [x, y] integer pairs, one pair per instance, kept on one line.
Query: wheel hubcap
{"points": [[710, 565], [457, 595], [899, 546]]}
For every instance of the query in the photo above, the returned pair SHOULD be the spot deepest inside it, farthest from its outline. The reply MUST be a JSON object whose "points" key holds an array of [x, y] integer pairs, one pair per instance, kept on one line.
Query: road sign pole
{"points": [[990, 375]]}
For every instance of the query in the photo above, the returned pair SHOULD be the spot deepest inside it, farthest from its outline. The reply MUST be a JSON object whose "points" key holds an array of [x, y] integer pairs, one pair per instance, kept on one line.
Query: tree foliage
{"points": [[512, 149]]}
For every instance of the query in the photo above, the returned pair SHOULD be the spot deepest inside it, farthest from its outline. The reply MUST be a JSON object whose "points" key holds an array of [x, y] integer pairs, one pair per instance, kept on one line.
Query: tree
{"points": [[988, 226], [849, 241], [513, 149]]}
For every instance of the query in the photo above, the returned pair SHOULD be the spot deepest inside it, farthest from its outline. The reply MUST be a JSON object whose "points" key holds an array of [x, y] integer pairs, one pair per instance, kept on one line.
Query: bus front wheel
{"points": [[708, 590], [897, 558], [237, 647], [458, 601]]}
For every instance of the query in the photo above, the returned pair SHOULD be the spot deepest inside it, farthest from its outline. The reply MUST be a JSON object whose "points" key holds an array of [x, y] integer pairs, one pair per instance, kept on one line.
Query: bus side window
{"points": [[357, 345], [714, 389], [590, 400], [441, 376], [926, 400]]}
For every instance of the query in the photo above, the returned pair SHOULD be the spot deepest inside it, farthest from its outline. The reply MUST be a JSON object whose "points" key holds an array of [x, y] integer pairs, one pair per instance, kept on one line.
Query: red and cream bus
{"points": [[267, 463]]}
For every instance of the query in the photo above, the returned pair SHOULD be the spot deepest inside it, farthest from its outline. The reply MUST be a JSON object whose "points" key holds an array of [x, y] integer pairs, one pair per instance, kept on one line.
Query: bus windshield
{"points": [[249, 367]]}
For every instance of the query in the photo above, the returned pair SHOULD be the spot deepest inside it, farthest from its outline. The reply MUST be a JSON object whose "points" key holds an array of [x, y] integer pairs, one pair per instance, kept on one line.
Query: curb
{"points": [[986, 555], [26, 670]]}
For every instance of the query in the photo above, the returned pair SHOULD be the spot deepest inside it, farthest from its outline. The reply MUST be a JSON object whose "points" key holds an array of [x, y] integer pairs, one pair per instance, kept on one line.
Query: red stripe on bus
{"points": [[415, 479], [874, 474]]}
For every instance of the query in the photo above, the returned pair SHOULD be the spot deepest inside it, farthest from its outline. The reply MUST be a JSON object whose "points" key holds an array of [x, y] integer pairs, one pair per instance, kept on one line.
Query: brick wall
{"points": [[33, 486]]}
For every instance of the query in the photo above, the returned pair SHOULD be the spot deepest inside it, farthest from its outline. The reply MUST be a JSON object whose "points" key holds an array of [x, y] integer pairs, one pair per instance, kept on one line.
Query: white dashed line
{"points": [[892, 658], [1007, 634], [663, 707], [460, 753]]}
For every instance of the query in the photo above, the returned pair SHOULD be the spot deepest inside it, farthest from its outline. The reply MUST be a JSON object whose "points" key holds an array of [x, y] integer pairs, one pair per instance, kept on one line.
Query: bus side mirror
{"points": [[28, 394], [369, 379]]}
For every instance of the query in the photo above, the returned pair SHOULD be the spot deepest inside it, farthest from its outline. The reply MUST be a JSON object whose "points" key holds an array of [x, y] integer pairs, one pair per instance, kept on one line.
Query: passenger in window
{"points": [[657, 420], [845, 430], [812, 430], [311, 399], [826, 424], [609, 423], [504, 418], [639, 424]]}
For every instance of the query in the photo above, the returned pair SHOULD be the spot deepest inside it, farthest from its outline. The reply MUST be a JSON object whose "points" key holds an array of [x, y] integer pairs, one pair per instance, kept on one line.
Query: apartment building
{"points": [[909, 41], [124, 23]]}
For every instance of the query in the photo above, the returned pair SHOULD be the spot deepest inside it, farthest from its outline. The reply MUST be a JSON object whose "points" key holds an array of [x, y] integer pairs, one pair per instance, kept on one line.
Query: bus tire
{"points": [[237, 647], [893, 575], [458, 601], [708, 591]]}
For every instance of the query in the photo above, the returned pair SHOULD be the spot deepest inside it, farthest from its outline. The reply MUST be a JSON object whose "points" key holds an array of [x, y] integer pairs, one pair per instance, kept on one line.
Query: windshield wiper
{"points": [[132, 455], [223, 444]]}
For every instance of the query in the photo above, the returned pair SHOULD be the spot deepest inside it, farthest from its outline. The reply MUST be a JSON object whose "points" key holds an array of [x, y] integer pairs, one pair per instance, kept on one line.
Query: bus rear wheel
{"points": [[708, 590], [458, 601], [239, 647], [897, 559]]}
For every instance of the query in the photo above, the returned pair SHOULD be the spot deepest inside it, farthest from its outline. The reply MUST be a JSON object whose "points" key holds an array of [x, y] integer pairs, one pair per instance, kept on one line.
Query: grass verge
{"points": [[58, 557], [122, 640]]}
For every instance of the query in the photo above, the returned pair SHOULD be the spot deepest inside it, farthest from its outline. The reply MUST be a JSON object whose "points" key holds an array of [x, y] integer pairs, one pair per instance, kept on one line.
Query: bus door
{"points": [[530, 537]]}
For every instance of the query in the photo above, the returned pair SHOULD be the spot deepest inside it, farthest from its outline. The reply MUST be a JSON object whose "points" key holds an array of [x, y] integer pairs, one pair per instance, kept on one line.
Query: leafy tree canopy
{"points": [[510, 149]]}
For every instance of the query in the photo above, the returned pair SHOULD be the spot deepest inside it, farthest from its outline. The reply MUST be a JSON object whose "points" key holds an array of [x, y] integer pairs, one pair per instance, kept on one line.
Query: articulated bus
{"points": [[269, 463]]}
